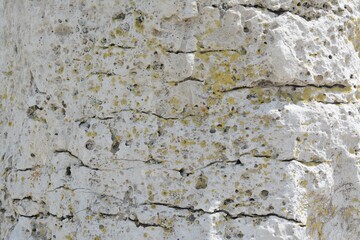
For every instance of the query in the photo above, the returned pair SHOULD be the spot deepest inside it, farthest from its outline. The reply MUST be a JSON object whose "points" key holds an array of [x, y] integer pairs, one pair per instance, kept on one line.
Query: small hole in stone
{"points": [[32, 155], [228, 201], [264, 194], [68, 171], [238, 162], [90, 144], [330, 57], [183, 172], [246, 29], [212, 130]]}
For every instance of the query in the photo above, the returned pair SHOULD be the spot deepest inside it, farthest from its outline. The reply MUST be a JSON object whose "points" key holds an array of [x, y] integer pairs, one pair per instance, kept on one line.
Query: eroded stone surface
{"points": [[206, 119]]}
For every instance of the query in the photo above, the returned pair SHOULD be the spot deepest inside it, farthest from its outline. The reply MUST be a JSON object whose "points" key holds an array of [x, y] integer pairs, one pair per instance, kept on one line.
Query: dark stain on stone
{"points": [[201, 182]]}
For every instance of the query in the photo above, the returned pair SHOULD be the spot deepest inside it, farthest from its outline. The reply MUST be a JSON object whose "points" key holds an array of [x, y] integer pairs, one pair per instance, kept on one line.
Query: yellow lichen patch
{"points": [[174, 101], [60, 70], [139, 21], [9, 73], [231, 101], [304, 183], [352, 151], [235, 56], [113, 81], [223, 79], [205, 57], [187, 142], [313, 93], [151, 195], [321, 212], [108, 54], [87, 57], [266, 153], [339, 89], [354, 30], [88, 67], [118, 31], [116, 101], [307, 93], [102, 228], [91, 134], [349, 212], [95, 89], [321, 97], [68, 237], [259, 96]]}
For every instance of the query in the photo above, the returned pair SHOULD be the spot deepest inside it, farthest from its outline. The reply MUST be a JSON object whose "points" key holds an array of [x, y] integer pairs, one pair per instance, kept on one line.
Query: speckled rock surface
{"points": [[179, 119]]}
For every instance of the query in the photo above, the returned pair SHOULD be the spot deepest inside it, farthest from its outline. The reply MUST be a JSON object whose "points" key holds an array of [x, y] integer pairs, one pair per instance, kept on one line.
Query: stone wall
{"points": [[179, 119]]}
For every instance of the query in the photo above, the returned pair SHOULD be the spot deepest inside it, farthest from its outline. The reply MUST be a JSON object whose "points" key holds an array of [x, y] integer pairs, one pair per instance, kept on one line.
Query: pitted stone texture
{"points": [[205, 119]]}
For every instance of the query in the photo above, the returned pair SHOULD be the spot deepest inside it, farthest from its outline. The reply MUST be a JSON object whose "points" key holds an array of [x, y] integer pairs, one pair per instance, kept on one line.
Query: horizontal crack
{"points": [[66, 188], [149, 161], [27, 169], [270, 85], [301, 224], [145, 225], [337, 85], [84, 119], [277, 12], [227, 214], [306, 163], [113, 45], [336, 102], [192, 79], [202, 51], [167, 118], [184, 173], [180, 52], [45, 215], [103, 73], [235, 162]]}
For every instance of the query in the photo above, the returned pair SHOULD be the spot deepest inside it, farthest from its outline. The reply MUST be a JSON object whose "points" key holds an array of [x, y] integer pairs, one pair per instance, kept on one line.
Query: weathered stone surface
{"points": [[207, 119]]}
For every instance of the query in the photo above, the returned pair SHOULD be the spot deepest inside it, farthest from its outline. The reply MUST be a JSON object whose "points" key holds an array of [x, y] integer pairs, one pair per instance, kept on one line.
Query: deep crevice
{"points": [[227, 214]]}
